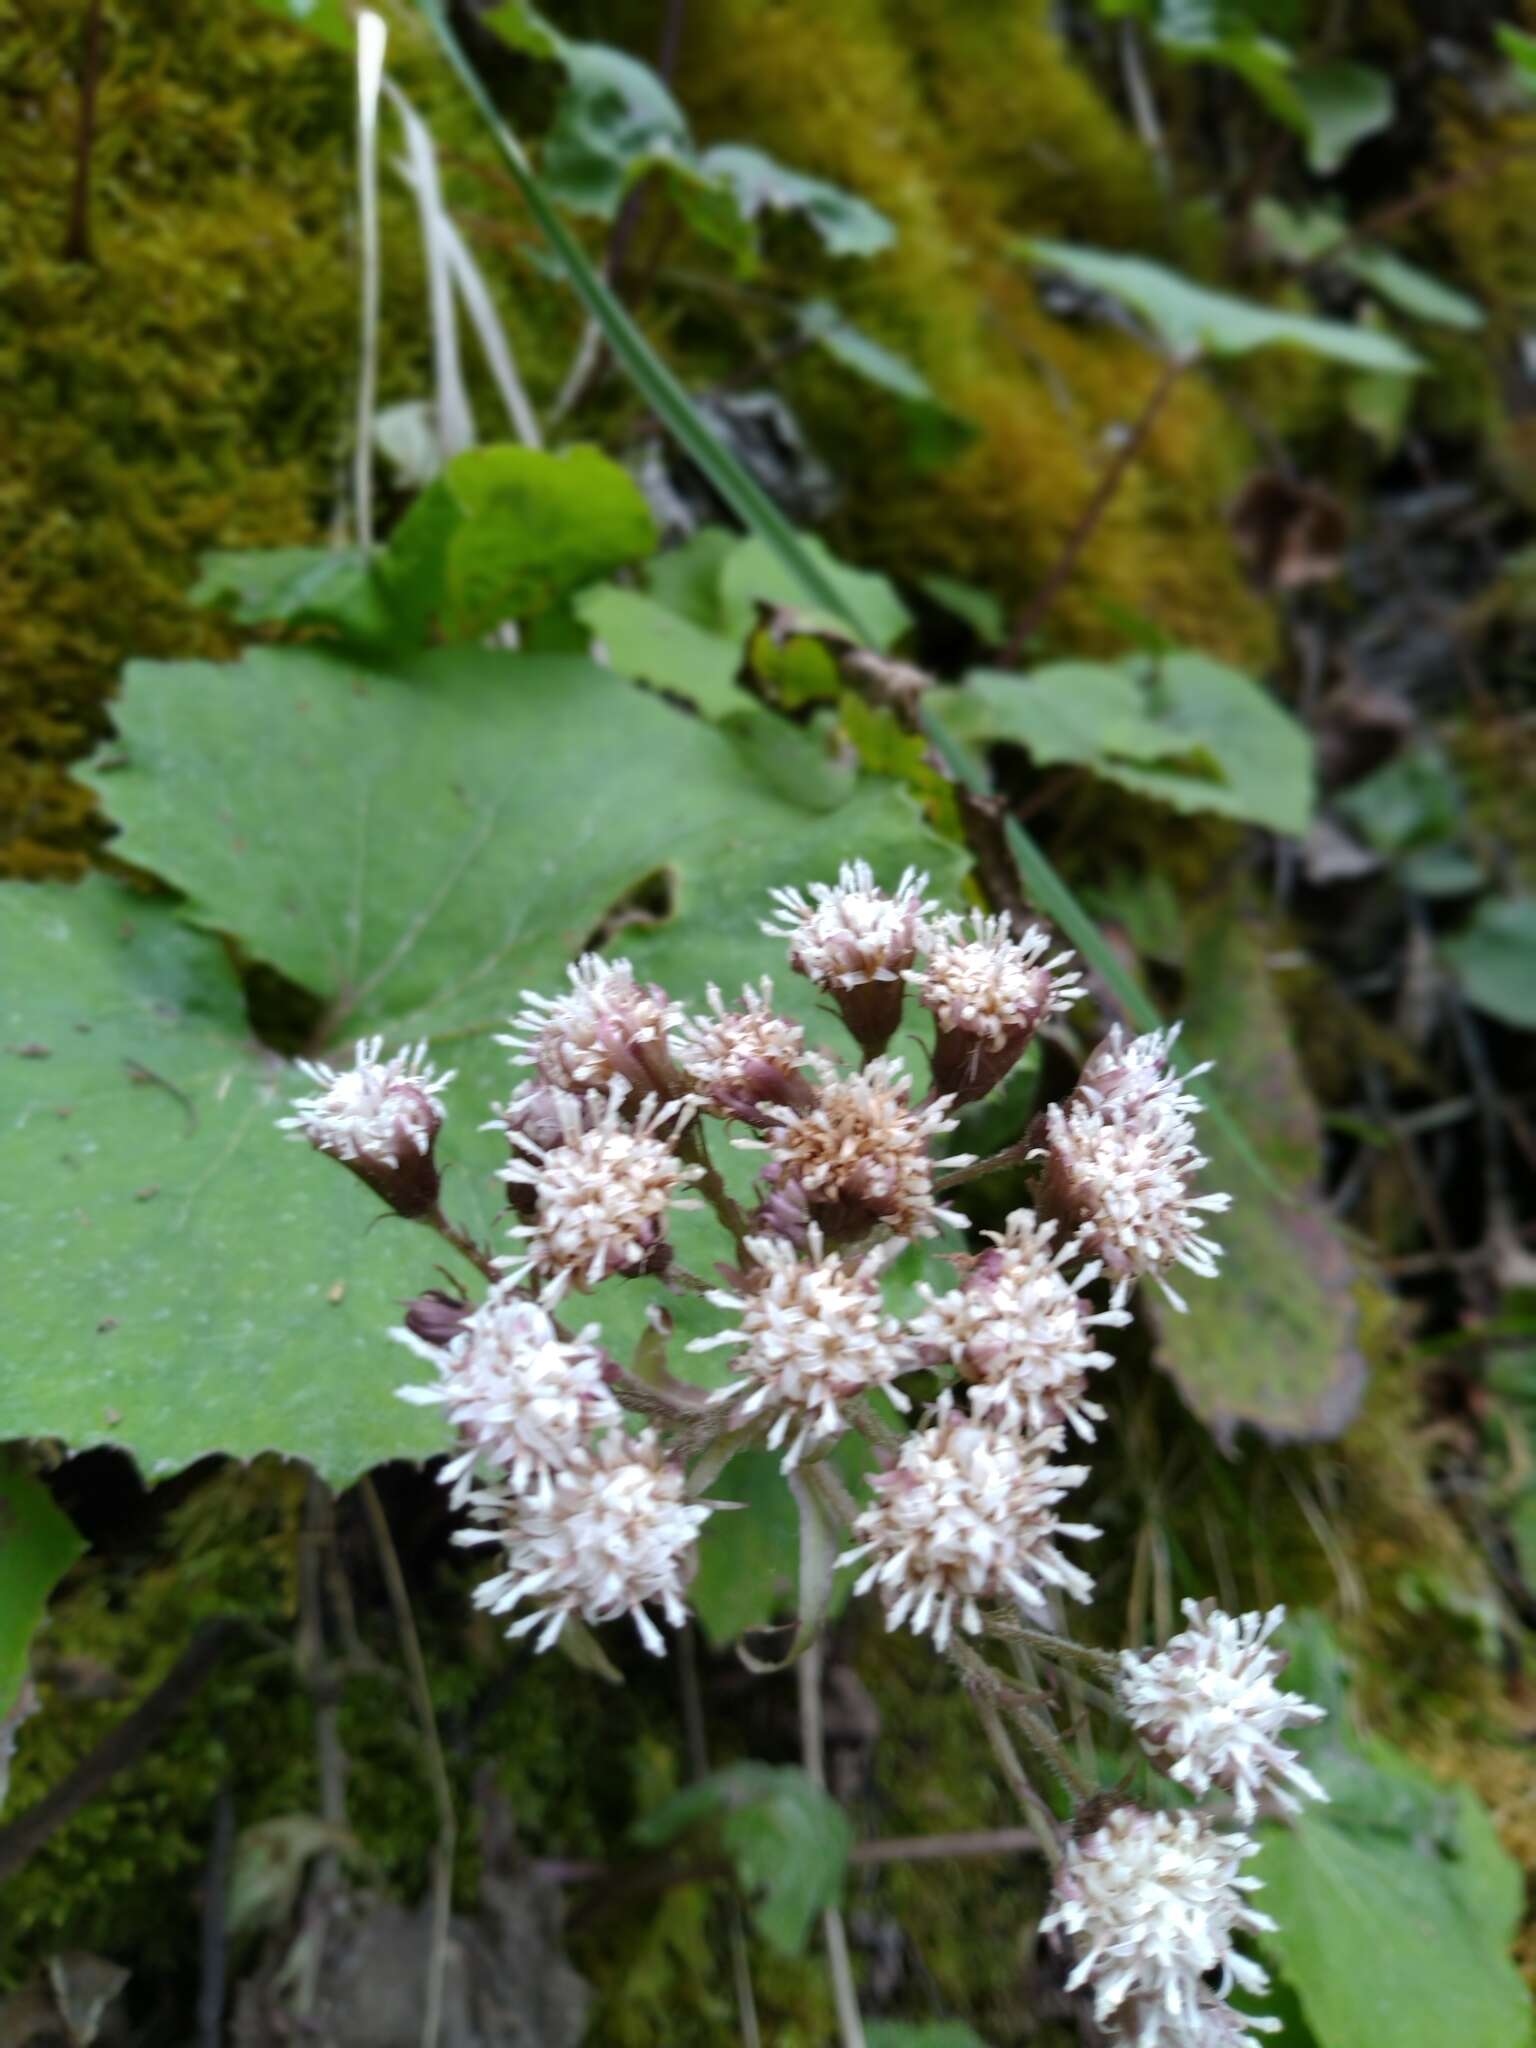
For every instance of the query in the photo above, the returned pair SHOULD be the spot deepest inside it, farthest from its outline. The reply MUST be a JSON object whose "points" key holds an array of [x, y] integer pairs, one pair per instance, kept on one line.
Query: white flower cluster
{"points": [[1121, 1159], [607, 1141], [1151, 1902]]}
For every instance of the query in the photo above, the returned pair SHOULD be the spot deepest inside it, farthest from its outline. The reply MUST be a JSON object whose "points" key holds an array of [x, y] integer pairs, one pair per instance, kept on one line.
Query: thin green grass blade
{"points": [[756, 510]]}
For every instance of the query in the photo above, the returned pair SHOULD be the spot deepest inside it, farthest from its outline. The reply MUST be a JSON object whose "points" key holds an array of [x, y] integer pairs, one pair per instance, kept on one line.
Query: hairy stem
{"points": [[850, 2025], [466, 1246], [1041, 1819]]}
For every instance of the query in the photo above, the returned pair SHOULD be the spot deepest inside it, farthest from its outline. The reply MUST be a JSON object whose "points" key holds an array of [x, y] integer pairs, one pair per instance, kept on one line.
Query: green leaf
{"points": [[1191, 320], [975, 607], [1340, 105], [1386, 1937], [920, 2034], [226, 1292], [1520, 49], [413, 849], [1179, 728], [846, 225], [788, 1839], [1310, 235], [934, 433], [686, 579], [746, 1559], [506, 532], [644, 639], [1414, 801], [1494, 959], [330, 20], [322, 587], [523, 28], [1413, 291], [38, 1544], [1273, 1343], [614, 119], [754, 574]]}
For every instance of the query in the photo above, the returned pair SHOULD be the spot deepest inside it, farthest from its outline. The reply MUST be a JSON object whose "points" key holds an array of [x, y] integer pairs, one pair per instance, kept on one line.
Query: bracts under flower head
{"points": [[856, 941], [380, 1118], [990, 992]]}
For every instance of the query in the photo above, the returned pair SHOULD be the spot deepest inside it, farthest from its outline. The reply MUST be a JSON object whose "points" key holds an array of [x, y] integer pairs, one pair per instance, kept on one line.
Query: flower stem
{"points": [[693, 1147], [463, 1244]]}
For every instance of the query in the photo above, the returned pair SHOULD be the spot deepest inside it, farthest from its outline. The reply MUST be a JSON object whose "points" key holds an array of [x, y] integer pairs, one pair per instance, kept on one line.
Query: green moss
{"points": [[191, 386], [972, 127]]}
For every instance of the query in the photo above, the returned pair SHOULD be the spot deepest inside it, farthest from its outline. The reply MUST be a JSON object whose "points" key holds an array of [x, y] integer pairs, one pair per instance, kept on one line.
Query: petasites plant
{"points": [[589, 1475]]}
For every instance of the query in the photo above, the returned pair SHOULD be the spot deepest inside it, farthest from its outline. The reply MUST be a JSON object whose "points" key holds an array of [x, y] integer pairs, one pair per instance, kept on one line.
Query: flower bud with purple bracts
{"points": [[1020, 1331], [1120, 1163], [435, 1317], [1151, 1903], [967, 1514], [860, 1157], [814, 1336], [741, 1059], [1206, 1706], [856, 941], [613, 1534], [601, 1197], [532, 1110], [380, 1118], [989, 992], [607, 1026]]}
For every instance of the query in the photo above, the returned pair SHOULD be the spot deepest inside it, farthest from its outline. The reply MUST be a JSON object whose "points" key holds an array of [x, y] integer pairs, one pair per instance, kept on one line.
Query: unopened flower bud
{"points": [[435, 1317], [990, 993], [743, 1059], [856, 941], [380, 1118], [531, 1111]]}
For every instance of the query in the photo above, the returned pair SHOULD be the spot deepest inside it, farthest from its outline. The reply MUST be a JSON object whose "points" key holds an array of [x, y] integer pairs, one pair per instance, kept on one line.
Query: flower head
{"points": [[966, 1514], [1208, 1706], [379, 1117], [1020, 1331], [523, 1400], [608, 1025], [859, 1155], [613, 1533], [856, 941], [1151, 1902], [1121, 1159], [739, 1059], [814, 1335], [990, 992], [597, 1201]]}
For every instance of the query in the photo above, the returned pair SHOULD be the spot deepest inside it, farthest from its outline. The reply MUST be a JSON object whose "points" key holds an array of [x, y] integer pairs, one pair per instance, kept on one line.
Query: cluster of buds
{"points": [[968, 1525]]}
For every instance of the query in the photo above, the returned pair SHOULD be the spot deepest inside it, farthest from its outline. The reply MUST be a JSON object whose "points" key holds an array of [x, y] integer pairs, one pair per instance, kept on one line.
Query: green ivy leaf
{"points": [[1494, 959], [1191, 320], [436, 840], [846, 225], [788, 1839], [505, 533], [38, 1544], [1181, 728], [1339, 105]]}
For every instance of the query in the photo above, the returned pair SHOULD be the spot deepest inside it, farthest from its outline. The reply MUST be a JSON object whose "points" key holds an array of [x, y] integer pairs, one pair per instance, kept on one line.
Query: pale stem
{"points": [[845, 1997], [1041, 1819]]}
